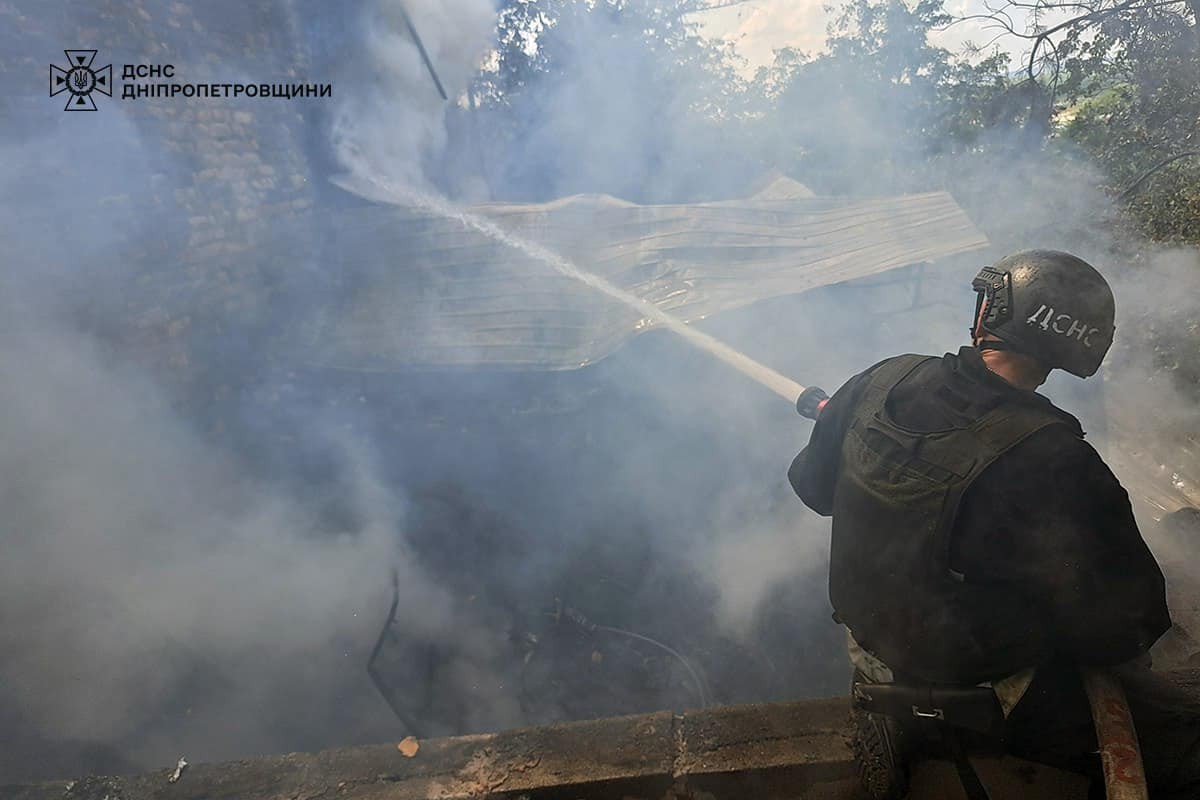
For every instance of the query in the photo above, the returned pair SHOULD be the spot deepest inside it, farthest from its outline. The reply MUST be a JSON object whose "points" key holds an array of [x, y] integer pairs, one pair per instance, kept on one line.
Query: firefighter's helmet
{"points": [[1050, 305]]}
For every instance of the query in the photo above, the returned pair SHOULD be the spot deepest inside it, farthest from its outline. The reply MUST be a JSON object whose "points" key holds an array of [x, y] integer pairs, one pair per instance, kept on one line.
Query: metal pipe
{"points": [[412, 30]]}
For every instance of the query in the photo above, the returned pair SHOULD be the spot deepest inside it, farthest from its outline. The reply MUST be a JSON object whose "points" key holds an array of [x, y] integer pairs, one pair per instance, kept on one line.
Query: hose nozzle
{"points": [[811, 401]]}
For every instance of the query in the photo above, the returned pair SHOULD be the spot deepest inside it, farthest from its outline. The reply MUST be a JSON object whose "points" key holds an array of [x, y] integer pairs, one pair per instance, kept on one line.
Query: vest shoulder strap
{"points": [[994, 434], [1006, 426], [886, 376]]}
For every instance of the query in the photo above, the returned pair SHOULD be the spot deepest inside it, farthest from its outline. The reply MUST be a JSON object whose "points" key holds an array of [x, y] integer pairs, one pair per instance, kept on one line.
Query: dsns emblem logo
{"points": [[80, 80]]}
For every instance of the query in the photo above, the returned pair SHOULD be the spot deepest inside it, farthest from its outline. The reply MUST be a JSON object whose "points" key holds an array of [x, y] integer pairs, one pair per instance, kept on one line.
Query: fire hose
{"points": [[1120, 754]]}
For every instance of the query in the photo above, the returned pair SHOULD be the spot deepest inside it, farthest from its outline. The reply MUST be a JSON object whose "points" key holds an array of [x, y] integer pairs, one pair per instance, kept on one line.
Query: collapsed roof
{"points": [[420, 288]]}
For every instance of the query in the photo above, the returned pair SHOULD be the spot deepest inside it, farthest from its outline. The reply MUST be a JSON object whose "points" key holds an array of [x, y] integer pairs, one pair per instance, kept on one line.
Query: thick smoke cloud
{"points": [[150, 583], [162, 592]]}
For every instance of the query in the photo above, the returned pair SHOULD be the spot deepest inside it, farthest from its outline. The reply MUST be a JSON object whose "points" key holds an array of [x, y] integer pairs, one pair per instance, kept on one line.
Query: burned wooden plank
{"points": [[757, 737], [782, 751], [641, 755]]}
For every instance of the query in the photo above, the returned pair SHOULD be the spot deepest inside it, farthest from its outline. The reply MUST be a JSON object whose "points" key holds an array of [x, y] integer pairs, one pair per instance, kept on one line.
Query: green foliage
{"points": [[573, 83], [607, 96], [1135, 77], [882, 95]]}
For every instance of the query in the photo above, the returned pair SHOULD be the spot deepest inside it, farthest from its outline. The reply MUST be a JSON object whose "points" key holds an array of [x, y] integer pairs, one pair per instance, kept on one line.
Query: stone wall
{"points": [[192, 213]]}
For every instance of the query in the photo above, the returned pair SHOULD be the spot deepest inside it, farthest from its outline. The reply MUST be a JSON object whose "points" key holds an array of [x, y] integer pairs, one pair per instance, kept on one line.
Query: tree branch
{"points": [[1133, 187]]}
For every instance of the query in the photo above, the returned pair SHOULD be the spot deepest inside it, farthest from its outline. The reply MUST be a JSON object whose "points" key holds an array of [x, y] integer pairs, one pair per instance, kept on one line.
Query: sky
{"points": [[760, 27]]}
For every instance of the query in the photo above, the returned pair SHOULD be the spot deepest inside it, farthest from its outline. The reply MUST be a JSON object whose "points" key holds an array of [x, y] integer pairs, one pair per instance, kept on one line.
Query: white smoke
{"points": [[135, 552], [393, 118]]}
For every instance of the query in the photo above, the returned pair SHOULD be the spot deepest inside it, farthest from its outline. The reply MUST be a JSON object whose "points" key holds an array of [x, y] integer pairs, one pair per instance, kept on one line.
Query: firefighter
{"points": [[978, 539]]}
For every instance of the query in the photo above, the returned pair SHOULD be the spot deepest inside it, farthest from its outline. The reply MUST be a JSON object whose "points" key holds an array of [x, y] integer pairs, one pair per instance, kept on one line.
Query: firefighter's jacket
{"points": [[975, 532]]}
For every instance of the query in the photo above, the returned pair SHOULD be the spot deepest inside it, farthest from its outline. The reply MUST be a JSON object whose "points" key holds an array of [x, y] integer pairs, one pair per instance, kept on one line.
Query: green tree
{"points": [[1122, 79], [617, 96], [868, 114]]}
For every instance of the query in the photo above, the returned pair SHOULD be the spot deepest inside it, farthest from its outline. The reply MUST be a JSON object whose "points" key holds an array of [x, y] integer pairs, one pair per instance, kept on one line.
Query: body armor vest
{"points": [[895, 503]]}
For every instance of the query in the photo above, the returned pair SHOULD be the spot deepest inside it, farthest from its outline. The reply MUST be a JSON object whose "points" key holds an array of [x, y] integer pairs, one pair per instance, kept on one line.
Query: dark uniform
{"points": [[977, 534], [1045, 534]]}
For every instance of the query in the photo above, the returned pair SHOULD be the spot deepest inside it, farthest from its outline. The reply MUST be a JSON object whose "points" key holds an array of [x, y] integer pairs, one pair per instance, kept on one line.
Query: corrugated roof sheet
{"points": [[426, 290]]}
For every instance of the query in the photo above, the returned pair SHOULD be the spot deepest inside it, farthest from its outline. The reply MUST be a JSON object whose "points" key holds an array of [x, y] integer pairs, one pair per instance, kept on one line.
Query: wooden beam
{"points": [[646, 755]]}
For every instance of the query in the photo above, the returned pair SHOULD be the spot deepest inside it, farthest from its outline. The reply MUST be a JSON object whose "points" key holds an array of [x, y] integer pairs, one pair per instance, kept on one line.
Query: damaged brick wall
{"points": [[209, 205]]}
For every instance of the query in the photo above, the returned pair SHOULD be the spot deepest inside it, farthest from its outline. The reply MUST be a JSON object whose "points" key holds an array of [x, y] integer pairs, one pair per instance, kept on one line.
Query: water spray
{"points": [[788, 389]]}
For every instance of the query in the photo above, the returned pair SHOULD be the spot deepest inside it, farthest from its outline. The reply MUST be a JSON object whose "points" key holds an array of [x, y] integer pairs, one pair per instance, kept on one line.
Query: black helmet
{"points": [[1050, 305]]}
